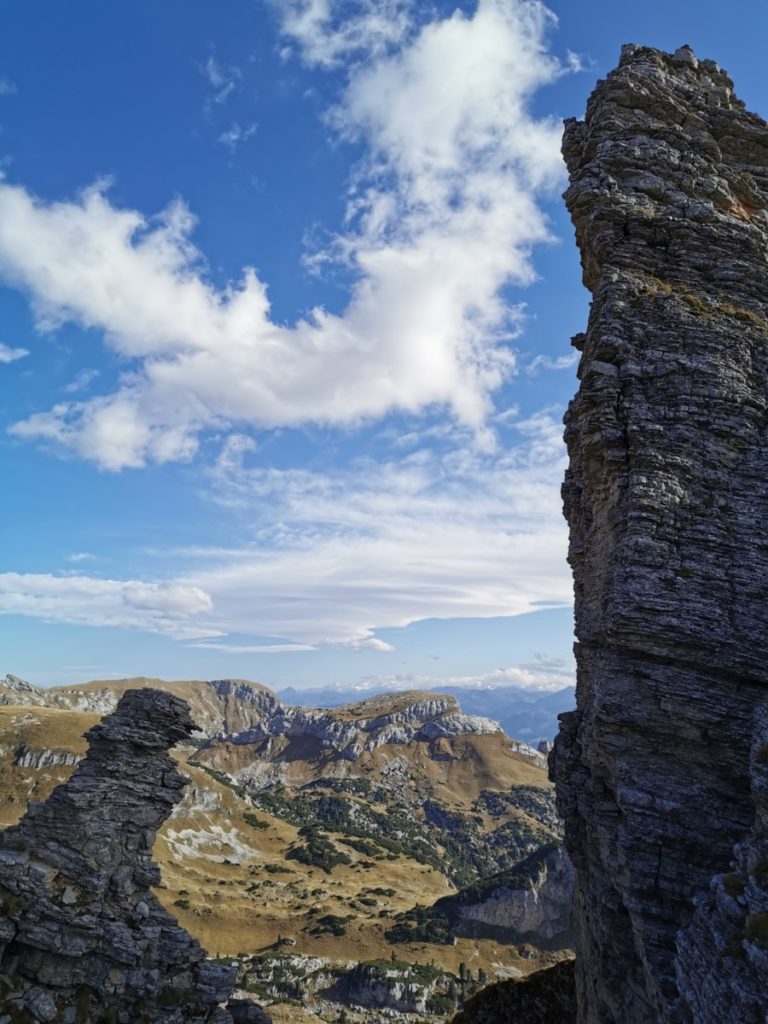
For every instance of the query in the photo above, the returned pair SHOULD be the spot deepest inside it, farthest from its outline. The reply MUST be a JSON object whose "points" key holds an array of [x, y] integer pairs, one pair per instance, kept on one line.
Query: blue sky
{"points": [[286, 291]]}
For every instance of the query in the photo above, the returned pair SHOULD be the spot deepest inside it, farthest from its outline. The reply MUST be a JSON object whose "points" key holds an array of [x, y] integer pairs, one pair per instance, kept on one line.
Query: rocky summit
{"points": [[82, 937], [667, 500]]}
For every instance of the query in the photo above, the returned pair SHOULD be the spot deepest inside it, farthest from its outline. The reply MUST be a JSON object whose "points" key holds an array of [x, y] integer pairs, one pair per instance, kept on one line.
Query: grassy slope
{"points": [[211, 856]]}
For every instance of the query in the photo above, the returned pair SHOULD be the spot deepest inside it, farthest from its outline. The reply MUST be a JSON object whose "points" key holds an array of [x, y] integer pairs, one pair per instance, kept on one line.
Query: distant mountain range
{"points": [[523, 714]]}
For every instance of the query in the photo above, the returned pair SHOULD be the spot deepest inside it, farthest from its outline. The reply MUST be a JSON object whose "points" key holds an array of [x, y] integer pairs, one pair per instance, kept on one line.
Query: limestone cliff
{"points": [[529, 902], [667, 502], [82, 937]]}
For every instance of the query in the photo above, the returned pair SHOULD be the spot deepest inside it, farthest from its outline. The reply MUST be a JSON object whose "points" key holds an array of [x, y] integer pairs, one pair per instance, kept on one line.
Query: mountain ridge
{"points": [[225, 705]]}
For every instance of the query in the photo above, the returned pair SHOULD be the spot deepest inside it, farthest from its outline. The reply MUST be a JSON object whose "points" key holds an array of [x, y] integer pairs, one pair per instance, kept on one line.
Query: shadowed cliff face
{"points": [[82, 938], [667, 501], [544, 997]]}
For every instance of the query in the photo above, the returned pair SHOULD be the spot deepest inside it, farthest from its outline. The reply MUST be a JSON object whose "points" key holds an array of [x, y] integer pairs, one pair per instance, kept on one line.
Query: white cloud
{"points": [[252, 648], [236, 134], [169, 608], [329, 31], [7, 87], [543, 362], [223, 79], [82, 380], [443, 214], [335, 556], [372, 643], [80, 556], [518, 676], [10, 355]]}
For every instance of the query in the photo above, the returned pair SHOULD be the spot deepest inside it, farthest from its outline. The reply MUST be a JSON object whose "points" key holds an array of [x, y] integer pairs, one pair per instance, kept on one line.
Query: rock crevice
{"points": [[667, 500]]}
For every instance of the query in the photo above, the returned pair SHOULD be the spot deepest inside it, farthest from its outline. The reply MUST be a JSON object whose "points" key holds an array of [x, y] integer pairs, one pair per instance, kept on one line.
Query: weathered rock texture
{"points": [[667, 501], [528, 903], [82, 937]]}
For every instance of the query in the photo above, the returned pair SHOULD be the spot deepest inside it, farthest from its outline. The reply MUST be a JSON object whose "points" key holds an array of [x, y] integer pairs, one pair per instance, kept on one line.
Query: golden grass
{"points": [[231, 854]]}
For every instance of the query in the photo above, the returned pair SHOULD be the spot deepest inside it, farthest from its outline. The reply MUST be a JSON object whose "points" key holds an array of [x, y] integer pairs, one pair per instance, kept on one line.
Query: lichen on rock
{"points": [[667, 501], [82, 937]]}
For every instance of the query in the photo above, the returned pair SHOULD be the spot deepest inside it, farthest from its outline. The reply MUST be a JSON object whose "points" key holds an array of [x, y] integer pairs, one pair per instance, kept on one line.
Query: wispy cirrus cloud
{"points": [[336, 555], [544, 362], [224, 648], [450, 532], [10, 355], [80, 556], [443, 214], [237, 134], [223, 79]]}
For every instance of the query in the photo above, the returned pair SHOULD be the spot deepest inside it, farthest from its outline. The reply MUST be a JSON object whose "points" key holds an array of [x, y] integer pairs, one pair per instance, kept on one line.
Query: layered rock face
{"points": [[530, 902], [667, 501], [219, 706], [363, 727], [82, 937]]}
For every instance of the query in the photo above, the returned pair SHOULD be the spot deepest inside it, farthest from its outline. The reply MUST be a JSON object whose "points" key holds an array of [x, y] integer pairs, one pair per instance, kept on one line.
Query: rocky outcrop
{"points": [[39, 760], [531, 902], [667, 501], [544, 997], [21, 693], [363, 727], [245, 713], [219, 707], [82, 937]]}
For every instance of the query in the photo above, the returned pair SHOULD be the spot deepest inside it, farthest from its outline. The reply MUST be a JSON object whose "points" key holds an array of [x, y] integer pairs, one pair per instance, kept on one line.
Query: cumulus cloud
{"points": [[174, 609], [329, 31], [443, 214], [10, 355]]}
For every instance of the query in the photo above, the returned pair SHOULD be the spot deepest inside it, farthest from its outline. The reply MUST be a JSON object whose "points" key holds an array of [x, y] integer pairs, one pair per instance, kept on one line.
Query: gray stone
{"points": [[666, 496], [69, 938]]}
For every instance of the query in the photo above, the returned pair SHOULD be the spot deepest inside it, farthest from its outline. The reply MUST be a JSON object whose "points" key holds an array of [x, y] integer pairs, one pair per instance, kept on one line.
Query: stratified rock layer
{"points": [[667, 501], [528, 903], [82, 937]]}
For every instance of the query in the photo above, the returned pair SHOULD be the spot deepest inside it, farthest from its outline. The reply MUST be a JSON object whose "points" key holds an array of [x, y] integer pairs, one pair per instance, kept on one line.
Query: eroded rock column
{"points": [[82, 937], [667, 501]]}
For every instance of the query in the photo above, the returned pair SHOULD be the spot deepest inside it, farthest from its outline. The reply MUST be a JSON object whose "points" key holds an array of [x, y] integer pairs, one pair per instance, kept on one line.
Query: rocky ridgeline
{"points": [[394, 719], [667, 501], [82, 937], [20, 693], [219, 706], [247, 713]]}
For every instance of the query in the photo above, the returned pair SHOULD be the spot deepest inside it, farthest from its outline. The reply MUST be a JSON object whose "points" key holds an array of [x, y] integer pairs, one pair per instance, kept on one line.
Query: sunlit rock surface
{"points": [[667, 501]]}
